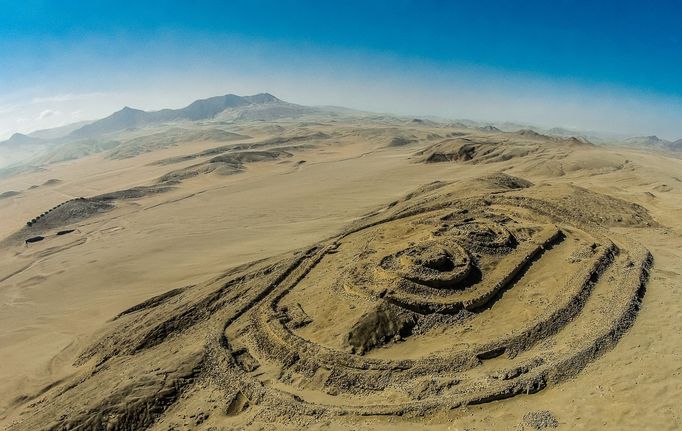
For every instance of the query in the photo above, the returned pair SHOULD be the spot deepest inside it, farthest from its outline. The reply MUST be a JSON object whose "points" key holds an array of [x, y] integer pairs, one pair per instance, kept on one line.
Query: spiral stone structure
{"points": [[480, 353], [437, 301]]}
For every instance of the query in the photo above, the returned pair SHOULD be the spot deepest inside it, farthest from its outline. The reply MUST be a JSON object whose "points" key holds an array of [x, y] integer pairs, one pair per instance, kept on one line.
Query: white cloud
{"points": [[25, 112], [47, 113], [66, 97]]}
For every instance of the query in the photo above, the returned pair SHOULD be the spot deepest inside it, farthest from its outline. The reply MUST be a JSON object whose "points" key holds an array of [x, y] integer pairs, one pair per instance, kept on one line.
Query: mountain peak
{"points": [[21, 139], [528, 132], [262, 98], [646, 140], [200, 109], [128, 110]]}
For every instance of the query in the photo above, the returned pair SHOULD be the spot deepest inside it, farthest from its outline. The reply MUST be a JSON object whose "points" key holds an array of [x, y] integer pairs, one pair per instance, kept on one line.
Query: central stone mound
{"points": [[431, 264], [479, 235]]}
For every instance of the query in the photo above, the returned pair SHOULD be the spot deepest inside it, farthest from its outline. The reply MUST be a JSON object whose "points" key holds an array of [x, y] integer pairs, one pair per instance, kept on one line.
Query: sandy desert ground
{"points": [[345, 273]]}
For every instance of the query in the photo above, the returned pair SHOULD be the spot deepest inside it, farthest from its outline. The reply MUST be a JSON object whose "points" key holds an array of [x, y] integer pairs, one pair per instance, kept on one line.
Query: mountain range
{"points": [[654, 142], [202, 109], [131, 118], [262, 106]]}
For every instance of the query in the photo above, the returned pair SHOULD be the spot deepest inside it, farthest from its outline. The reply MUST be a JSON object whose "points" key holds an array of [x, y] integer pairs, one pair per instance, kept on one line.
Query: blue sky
{"points": [[609, 65]]}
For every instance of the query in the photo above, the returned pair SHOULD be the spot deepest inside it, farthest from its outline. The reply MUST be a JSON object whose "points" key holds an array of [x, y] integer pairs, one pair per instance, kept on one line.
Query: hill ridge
{"points": [[128, 118]]}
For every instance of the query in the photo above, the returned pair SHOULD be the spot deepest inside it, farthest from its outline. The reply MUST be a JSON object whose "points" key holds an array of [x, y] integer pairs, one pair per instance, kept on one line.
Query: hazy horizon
{"points": [[78, 62]]}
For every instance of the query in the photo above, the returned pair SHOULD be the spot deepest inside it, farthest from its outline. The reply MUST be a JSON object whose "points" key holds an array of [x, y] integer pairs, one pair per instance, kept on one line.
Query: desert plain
{"points": [[273, 266]]}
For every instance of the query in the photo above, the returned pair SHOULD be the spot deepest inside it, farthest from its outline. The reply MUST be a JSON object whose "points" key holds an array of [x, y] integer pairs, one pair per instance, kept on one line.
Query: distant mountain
{"points": [[18, 148], [18, 140], [58, 132], [674, 146], [128, 118], [271, 111], [489, 128], [647, 141], [655, 143], [567, 133], [529, 133]]}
